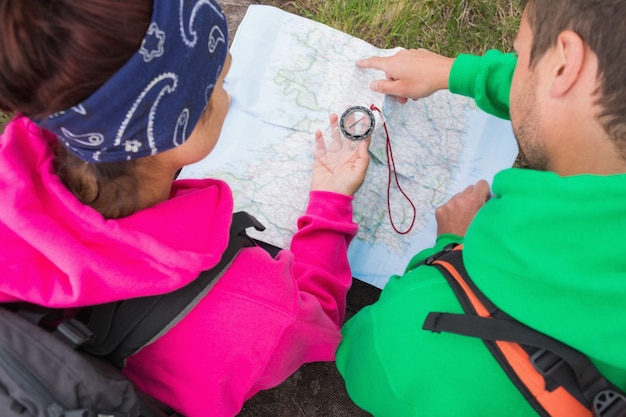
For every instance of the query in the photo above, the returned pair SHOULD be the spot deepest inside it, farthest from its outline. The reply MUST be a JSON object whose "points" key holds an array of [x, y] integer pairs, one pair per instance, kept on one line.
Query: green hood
{"points": [[565, 269]]}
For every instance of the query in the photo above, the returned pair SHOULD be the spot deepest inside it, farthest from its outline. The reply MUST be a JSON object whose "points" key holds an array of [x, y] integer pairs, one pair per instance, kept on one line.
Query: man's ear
{"points": [[569, 58]]}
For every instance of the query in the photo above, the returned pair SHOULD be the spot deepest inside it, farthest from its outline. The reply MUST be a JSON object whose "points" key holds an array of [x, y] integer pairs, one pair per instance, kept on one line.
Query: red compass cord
{"points": [[391, 165]]}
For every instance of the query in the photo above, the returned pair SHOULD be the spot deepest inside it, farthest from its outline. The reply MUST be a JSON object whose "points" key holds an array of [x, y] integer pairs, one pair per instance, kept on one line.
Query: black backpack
{"points": [[52, 366]]}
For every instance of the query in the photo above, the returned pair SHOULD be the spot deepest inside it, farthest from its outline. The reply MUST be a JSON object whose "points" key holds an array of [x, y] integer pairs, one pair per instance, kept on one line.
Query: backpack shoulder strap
{"points": [[122, 328], [556, 379]]}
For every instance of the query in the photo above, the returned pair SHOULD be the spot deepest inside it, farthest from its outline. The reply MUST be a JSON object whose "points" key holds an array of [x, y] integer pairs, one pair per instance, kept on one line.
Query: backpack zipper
{"points": [[29, 383]]}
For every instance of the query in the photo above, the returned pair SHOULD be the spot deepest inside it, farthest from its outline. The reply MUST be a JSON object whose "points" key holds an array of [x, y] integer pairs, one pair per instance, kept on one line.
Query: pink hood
{"points": [[59, 252]]}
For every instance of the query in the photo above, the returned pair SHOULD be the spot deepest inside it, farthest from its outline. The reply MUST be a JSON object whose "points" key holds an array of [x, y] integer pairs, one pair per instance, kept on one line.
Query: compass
{"points": [[357, 123]]}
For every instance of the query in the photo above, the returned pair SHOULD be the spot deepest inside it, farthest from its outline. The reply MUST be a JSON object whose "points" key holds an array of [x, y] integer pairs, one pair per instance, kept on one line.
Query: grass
{"points": [[4, 118], [448, 27]]}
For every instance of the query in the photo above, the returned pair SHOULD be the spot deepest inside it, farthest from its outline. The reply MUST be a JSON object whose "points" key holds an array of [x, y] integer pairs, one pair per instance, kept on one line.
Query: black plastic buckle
{"points": [[609, 403], [546, 363], [447, 249], [75, 332]]}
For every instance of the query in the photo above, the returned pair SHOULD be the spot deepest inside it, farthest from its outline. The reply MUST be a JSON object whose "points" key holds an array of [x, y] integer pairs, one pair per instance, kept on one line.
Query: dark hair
{"points": [[55, 54], [600, 23], [110, 188]]}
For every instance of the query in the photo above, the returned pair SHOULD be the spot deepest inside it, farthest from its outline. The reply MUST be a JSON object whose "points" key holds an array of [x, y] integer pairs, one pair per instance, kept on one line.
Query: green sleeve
{"points": [[369, 381], [486, 79], [394, 368]]}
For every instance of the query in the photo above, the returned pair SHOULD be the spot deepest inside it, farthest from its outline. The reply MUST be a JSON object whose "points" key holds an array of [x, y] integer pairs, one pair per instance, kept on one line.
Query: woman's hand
{"points": [[339, 166]]}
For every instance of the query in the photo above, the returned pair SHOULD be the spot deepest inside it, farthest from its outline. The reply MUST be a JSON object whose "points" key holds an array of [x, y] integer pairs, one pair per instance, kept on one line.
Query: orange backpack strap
{"points": [[556, 379]]}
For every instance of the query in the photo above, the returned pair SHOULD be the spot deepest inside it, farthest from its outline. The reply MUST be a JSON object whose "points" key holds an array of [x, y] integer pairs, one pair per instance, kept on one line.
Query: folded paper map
{"points": [[288, 74]]}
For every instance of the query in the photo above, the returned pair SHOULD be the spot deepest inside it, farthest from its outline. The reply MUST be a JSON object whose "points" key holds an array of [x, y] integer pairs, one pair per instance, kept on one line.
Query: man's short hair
{"points": [[600, 23]]}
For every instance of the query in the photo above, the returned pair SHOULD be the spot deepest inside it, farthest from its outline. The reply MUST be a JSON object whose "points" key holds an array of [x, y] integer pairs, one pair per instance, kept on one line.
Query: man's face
{"points": [[525, 109]]}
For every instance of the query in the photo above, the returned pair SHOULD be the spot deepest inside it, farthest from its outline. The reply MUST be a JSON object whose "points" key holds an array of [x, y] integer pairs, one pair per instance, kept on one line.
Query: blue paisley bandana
{"points": [[155, 100]]}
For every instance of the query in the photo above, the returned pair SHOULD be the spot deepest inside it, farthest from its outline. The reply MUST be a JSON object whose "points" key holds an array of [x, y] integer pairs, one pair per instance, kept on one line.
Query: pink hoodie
{"points": [[262, 320]]}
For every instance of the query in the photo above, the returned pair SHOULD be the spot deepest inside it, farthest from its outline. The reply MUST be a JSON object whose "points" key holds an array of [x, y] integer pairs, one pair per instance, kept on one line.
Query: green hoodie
{"points": [[545, 249]]}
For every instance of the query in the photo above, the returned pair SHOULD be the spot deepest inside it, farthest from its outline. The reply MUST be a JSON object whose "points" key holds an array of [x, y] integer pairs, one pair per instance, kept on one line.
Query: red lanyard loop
{"points": [[391, 165]]}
